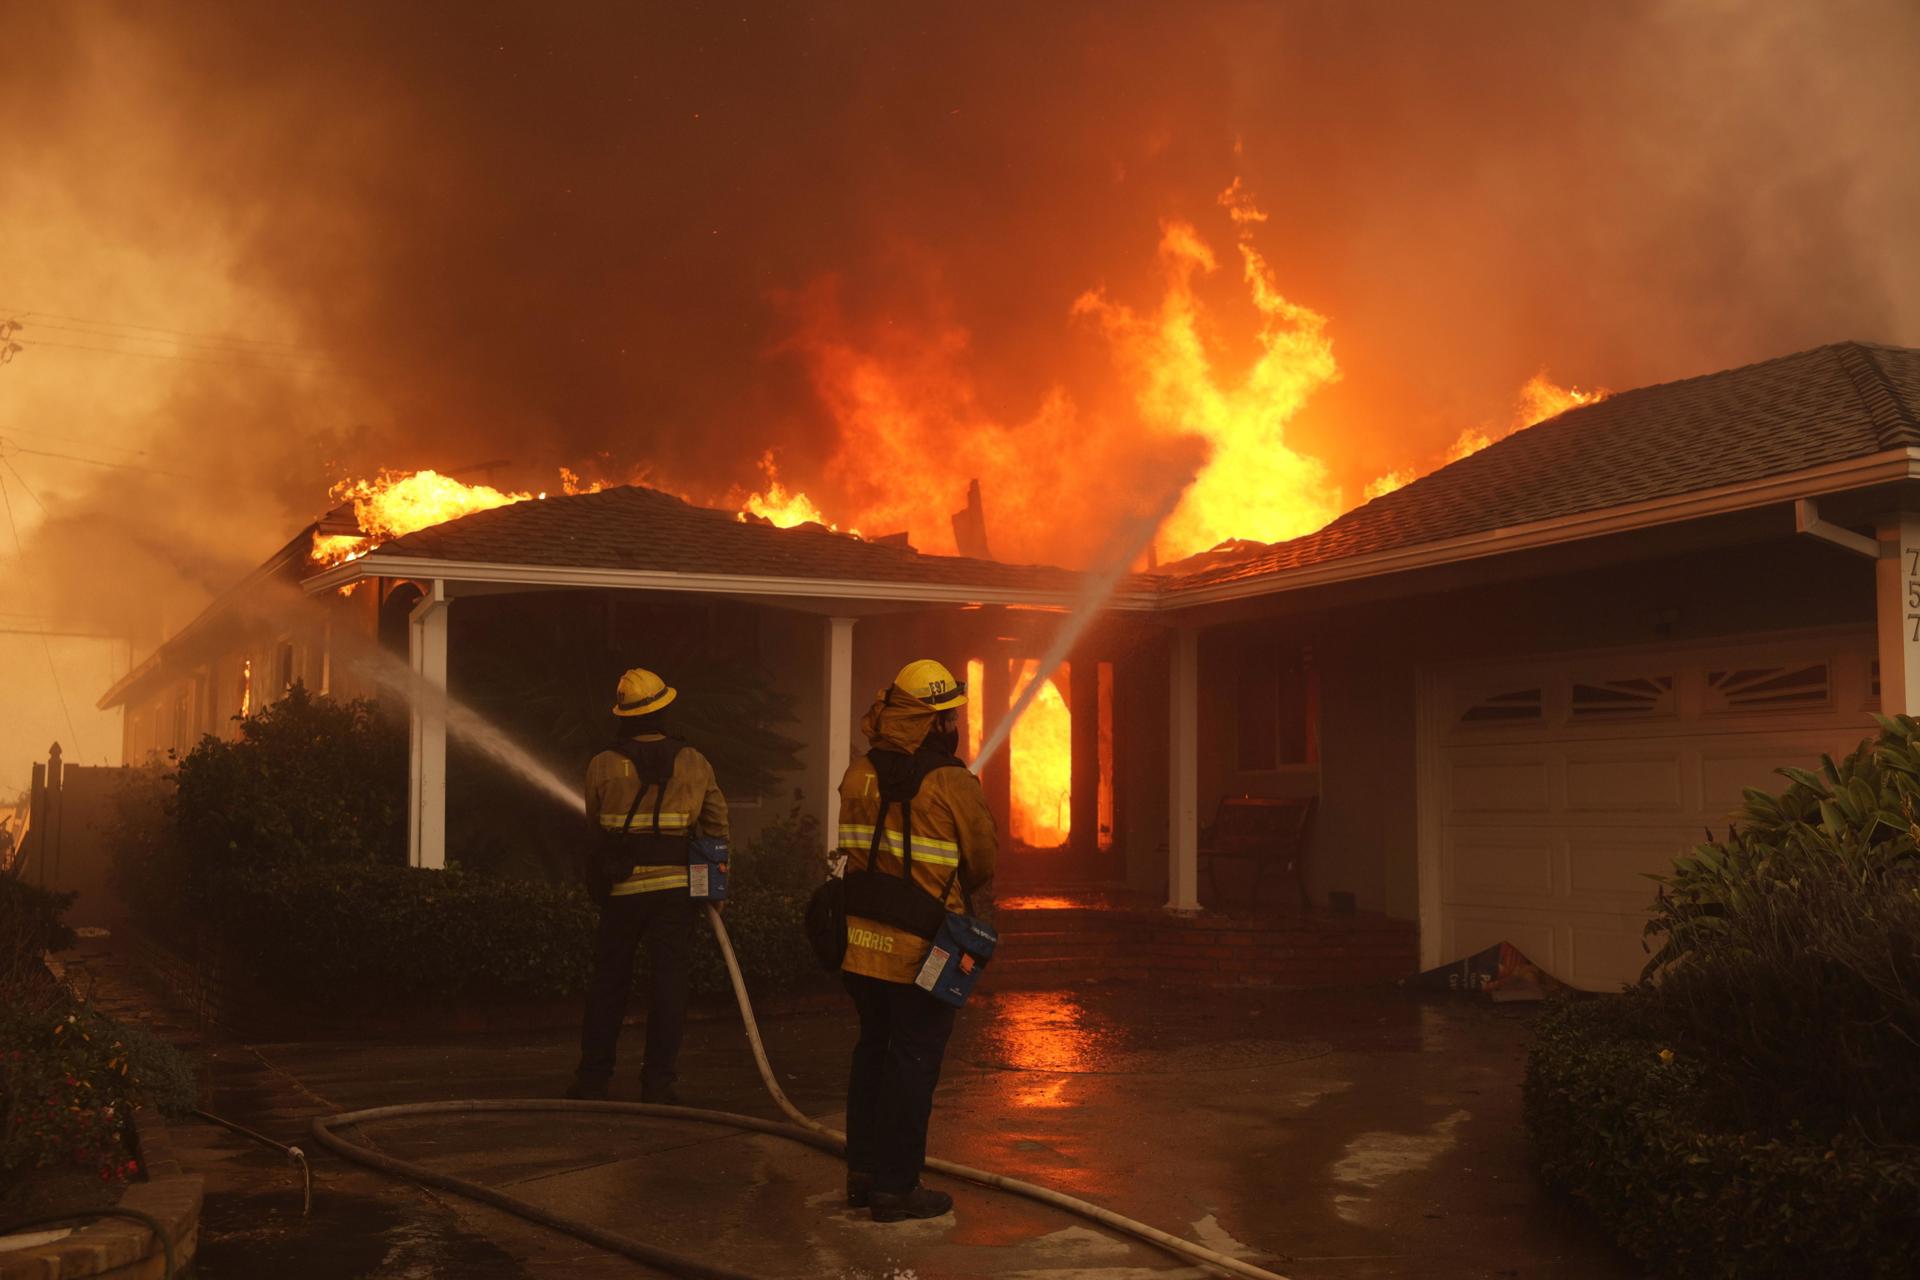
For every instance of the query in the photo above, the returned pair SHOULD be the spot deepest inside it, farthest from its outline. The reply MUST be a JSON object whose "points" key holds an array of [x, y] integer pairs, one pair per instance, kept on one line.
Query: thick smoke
{"points": [[551, 234]]}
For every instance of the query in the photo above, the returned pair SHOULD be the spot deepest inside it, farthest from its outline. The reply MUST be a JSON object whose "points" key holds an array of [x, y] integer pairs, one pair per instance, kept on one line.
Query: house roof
{"points": [[1778, 417], [641, 531]]}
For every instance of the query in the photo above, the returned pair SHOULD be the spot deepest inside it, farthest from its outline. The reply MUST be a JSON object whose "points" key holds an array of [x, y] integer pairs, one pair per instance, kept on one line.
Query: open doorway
{"points": [[1059, 763]]}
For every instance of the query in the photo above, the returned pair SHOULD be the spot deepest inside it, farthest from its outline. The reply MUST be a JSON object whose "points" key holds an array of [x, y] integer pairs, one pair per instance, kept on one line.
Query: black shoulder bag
{"points": [[867, 893]]}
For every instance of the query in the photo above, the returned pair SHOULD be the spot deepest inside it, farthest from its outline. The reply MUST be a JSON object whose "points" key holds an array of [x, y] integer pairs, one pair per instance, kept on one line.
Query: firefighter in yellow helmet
{"points": [[644, 794], [909, 795]]}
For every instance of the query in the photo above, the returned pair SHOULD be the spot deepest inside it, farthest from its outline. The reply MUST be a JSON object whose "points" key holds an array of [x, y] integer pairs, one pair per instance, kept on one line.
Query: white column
{"points": [[839, 722], [1183, 750], [1897, 591], [427, 795]]}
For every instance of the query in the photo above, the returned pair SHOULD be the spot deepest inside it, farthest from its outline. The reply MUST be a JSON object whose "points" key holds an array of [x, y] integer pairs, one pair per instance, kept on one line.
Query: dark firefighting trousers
{"points": [[896, 1065], [665, 919]]}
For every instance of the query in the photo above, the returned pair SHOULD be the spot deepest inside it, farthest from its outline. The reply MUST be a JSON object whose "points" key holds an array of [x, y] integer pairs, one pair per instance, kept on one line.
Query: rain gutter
{"points": [[1890, 466], [375, 565]]}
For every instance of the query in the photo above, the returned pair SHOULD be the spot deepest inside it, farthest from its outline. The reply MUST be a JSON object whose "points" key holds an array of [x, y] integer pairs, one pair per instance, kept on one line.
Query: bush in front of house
{"points": [[308, 780], [375, 937], [1752, 1107], [1636, 1131], [372, 936], [69, 1075], [30, 924]]}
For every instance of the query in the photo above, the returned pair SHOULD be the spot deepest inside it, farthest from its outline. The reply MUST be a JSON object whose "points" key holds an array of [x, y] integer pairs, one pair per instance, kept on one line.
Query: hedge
{"points": [[380, 938], [1635, 1131]]}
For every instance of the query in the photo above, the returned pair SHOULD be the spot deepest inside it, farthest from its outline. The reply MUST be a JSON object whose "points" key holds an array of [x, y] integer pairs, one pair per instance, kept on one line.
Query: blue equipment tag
{"points": [[960, 951], [707, 868]]}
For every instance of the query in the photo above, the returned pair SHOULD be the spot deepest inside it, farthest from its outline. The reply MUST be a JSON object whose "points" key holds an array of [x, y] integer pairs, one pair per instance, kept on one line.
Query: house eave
{"points": [[375, 565], [1890, 466]]}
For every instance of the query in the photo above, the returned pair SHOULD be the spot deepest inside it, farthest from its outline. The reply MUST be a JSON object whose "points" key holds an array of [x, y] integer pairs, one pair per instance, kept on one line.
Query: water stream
{"points": [[1128, 543]]}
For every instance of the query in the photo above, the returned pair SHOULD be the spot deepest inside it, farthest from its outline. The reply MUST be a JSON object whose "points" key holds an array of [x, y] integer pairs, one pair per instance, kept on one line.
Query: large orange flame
{"points": [[778, 504], [1539, 399], [913, 428], [1040, 760], [395, 503]]}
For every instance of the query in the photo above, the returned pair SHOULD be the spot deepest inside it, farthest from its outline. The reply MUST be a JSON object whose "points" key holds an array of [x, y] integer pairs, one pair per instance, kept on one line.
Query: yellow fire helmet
{"points": [[931, 683], [642, 693]]}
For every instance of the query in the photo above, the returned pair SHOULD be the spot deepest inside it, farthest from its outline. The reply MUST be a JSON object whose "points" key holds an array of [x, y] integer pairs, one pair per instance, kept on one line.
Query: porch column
{"points": [[1183, 755], [1897, 588], [1083, 800], [839, 722], [427, 793]]}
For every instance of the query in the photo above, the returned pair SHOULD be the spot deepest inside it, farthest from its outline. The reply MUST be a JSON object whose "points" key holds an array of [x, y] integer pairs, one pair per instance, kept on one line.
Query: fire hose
{"points": [[803, 1129]]}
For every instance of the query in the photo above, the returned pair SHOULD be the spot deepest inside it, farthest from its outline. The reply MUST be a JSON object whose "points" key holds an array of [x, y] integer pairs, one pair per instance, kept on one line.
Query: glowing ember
{"points": [[778, 504], [396, 503], [1041, 762]]}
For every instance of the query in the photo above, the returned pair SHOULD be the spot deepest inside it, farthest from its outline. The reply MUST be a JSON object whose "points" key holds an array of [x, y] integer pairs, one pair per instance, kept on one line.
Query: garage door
{"points": [[1553, 788]]}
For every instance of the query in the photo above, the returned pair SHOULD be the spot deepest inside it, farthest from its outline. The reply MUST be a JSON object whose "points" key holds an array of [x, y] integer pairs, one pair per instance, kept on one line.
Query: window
{"points": [[1768, 688], [1276, 702], [1517, 706], [1623, 699]]}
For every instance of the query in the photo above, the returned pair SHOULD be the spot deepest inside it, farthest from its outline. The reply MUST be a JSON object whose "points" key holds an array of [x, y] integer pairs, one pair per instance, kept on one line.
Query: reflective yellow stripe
{"points": [[944, 853], [652, 879], [643, 821]]}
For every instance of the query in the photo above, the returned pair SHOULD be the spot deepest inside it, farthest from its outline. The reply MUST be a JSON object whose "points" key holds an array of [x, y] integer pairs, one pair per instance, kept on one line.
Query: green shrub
{"points": [[1790, 962], [69, 1079], [768, 889], [380, 938], [372, 936], [1625, 1125], [308, 780], [30, 923]]}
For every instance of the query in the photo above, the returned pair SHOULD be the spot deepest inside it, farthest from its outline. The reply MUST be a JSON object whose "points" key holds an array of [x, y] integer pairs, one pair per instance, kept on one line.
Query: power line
{"points": [[46, 647], [91, 442], [111, 336], [154, 328], [99, 462], [24, 485], [164, 355]]}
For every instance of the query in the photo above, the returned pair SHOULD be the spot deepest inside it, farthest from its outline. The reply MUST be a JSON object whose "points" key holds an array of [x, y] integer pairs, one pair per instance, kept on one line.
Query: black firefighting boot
{"points": [[659, 1092], [859, 1190], [921, 1202], [588, 1089]]}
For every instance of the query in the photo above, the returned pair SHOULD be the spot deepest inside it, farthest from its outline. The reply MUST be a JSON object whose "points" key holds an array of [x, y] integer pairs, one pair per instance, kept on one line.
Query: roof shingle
{"points": [[1792, 413]]}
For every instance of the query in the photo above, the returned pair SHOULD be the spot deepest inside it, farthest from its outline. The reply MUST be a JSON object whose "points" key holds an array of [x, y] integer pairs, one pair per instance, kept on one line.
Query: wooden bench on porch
{"points": [[1268, 833]]}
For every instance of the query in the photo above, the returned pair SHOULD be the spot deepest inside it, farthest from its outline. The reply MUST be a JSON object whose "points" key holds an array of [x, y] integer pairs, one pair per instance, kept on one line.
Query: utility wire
{"points": [[46, 646], [91, 442], [154, 328], [24, 485], [163, 355], [110, 336], [100, 462]]}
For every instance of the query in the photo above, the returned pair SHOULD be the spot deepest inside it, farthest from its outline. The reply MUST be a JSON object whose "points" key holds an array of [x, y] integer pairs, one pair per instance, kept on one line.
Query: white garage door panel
{"points": [[1491, 864], [1624, 785], [1494, 786], [1604, 866], [1555, 803]]}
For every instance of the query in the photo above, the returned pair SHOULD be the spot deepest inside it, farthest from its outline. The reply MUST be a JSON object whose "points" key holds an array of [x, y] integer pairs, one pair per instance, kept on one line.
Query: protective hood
{"points": [[897, 723]]}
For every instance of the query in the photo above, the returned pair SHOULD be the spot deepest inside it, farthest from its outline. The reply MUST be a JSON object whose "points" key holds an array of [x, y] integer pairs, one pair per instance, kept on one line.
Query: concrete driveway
{"points": [[1347, 1134]]}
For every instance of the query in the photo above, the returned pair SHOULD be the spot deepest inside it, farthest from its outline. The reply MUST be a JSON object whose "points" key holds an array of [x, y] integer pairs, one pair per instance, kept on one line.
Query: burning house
{"points": [[1511, 688]]}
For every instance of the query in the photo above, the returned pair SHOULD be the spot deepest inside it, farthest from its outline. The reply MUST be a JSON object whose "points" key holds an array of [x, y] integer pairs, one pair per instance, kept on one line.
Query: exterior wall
{"points": [[1369, 657]]}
